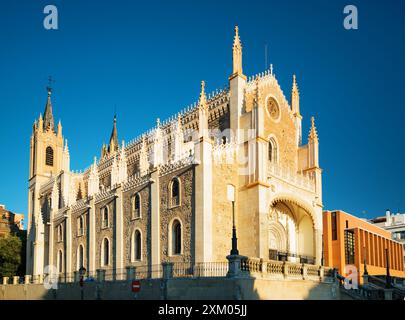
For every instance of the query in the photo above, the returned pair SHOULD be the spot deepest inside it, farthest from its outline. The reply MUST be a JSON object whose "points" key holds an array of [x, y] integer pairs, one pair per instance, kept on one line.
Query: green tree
{"points": [[10, 255]]}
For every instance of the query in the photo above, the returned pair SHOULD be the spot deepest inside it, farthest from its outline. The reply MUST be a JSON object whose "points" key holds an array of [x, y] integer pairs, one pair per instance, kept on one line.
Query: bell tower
{"points": [[46, 144], [47, 159]]}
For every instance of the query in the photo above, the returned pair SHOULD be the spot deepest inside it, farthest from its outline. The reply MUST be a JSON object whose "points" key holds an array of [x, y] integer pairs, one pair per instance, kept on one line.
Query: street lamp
{"points": [[82, 272], [231, 197], [388, 276]]}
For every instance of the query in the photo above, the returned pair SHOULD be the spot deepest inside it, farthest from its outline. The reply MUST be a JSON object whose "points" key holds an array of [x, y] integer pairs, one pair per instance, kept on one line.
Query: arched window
{"points": [[105, 257], [59, 231], [273, 151], [136, 206], [104, 217], [80, 257], [80, 226], [176, 237], [49, 156], [175, 192], [60, 261], [136, 245]]}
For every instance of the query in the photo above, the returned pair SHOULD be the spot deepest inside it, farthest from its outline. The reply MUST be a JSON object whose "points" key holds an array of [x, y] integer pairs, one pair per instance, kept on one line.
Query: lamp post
{"points": [[82, 272], [365, 262], [388, 277], [231, 197]]}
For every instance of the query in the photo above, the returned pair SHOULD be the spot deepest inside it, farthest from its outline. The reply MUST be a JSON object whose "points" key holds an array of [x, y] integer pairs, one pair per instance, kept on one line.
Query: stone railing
{"points": [[285, 270], [290, 176], [197, 270], [246, 267]]}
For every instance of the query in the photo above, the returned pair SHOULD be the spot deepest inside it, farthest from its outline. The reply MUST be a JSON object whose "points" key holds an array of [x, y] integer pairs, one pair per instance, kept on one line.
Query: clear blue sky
{"points": [[148, 59]]}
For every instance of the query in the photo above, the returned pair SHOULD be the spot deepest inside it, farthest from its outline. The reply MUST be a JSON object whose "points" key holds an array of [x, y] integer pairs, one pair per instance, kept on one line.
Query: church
{"points": [[163, 197]]}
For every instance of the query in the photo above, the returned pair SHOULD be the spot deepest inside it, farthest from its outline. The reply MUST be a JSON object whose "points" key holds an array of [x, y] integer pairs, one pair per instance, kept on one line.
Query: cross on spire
{"points": [[49, 87]]}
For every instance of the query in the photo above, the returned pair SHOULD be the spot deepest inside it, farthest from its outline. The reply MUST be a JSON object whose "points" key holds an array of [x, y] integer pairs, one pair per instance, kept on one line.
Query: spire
{"points": [[48, 115], [313, 135], [203, 112], [113, 146], [104, 151], [40, 121], [295, 97], [66, 149], [237, 53], [59, 128], [202, 101]]}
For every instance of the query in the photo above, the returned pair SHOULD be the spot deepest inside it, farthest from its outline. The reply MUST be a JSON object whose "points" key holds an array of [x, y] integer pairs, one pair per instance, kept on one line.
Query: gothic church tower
{"points": [[48, 156]]}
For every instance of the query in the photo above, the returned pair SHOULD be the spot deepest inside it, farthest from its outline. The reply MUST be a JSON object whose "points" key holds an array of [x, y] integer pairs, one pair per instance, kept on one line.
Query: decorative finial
{"points": [[158, 122], [203, 98], [312, 132], [295, 86], [237, 53]]}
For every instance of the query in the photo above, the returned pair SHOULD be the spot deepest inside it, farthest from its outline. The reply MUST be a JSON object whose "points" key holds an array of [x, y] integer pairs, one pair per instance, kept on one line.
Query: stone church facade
{"points": [[163, 196]]}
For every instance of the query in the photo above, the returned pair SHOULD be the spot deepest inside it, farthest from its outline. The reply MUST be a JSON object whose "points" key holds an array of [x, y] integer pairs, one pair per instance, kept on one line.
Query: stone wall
{"points": [[101, 233], [142, 223], [59, 245], [222, 175], [179, 289], [78, 240], [184, 212]]}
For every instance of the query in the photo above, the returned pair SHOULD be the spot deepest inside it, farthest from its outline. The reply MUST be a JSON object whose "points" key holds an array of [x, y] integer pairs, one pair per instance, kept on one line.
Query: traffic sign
{"points": [[136, 286]]}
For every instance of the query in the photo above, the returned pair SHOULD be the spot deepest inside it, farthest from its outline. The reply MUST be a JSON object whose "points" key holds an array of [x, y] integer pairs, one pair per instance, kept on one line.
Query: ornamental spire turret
{"points": [[295, 97], [113, 145], [237, 53], [313, 135], [203, 112], [49, 122], [202, 101]]}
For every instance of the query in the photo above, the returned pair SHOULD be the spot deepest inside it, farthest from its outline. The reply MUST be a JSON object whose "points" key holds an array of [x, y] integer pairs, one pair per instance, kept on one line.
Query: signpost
{"points": [[136, 287]]}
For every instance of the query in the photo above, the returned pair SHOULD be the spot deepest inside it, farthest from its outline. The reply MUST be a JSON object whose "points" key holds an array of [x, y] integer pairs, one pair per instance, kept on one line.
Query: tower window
{"points": [[80, 226], [175, 192], [136, 246], [273, 151], [176, 238], [80, 257], [104, 217], [49, 156], [59, 232], [136, 206], [105, 259]]}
